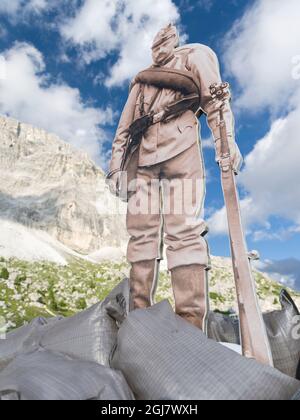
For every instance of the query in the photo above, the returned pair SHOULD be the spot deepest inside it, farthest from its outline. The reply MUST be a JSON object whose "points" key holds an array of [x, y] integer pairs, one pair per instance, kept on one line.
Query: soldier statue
{"points": [[158, 144]]}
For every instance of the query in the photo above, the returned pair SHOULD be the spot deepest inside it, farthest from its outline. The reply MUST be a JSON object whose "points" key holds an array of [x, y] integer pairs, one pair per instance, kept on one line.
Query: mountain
{"points": [[56, 192]]}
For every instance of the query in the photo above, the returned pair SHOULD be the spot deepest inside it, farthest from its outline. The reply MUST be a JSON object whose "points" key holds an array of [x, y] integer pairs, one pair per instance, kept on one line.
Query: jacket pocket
{"points": [[185, 121]]}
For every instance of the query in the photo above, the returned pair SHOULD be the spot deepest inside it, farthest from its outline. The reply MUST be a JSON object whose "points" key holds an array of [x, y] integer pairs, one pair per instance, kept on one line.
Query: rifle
{"points": [[254, 339], [140, 126], [136, 131]]}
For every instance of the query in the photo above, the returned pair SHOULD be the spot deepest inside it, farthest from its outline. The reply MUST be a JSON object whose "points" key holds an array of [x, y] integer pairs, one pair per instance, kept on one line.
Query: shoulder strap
{"points": [[141, 95], [158, 90], [168, 78]]}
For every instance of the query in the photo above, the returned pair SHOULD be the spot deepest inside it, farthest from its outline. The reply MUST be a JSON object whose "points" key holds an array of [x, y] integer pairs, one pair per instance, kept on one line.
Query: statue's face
{"points": [[164, 44], [162, 52]]}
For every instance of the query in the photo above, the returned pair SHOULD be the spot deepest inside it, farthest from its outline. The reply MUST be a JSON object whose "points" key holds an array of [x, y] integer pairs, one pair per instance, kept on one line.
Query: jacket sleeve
{"points": [[122, 133], [205, 67]]}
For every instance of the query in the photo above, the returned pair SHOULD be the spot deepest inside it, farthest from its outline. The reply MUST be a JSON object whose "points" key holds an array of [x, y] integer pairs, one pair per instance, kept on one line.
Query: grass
{"points": [[32, 289]]}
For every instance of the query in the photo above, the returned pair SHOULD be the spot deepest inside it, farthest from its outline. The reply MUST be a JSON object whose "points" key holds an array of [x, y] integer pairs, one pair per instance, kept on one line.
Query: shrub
{"points": [[4, 274]]}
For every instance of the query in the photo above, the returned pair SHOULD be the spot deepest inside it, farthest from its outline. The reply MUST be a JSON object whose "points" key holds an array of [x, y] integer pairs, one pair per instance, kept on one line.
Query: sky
{"points": [[65, 66]]}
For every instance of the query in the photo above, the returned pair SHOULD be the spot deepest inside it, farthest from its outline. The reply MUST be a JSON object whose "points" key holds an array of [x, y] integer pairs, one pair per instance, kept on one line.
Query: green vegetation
{"points": [[32, 289], [4, 274]]}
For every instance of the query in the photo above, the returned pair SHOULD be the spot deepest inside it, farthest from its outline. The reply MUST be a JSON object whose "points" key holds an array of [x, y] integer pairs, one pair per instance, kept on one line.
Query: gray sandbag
{"points": [[90, 335], [165, 358], [15, 340], [117, 304], [296, 397], [223, 328], [43, 375], [281, 331], [280, 326]]}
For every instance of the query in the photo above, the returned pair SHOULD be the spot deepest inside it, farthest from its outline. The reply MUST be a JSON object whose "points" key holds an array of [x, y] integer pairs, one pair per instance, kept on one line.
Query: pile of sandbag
{"points": [[66, 358], [105, 354], [164, 357], [281, 330], [45, 375]]}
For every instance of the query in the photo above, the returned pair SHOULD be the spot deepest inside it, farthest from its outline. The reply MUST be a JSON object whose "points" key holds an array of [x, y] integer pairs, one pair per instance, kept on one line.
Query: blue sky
{"points": [[67, 68]]}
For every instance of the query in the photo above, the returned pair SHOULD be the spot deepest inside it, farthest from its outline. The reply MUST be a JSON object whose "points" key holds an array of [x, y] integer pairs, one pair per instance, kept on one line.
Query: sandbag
{"points": [[43, 375], [280, 326], [223, 328], [15, 340], [296, 397], [165, 358], [90, 335]]}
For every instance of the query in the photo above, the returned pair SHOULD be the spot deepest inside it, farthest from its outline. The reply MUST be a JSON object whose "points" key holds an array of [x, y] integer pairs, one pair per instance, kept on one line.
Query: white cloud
{"points": [[98, 28], [12, 7], [29, 95], [259, 52], [251, 213], [3, 32], [91, 28], [284, 279], [259, 55], [287, 272], [127, 28], [270, 179], [28, 11], [208, 143], [272, 170], [218, 223], [3, 72]]}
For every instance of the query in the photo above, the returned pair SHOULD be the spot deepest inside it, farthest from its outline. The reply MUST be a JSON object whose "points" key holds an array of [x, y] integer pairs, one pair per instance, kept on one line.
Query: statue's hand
{"points": [[236, 157], [113, 183]]}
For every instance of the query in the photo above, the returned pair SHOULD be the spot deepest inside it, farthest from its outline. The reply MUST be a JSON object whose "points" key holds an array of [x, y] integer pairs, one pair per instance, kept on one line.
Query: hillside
{"points": [[30, 289]]}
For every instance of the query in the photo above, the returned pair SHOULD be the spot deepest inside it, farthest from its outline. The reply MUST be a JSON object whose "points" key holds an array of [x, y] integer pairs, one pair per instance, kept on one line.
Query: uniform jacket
{"points": [[166, 140]]}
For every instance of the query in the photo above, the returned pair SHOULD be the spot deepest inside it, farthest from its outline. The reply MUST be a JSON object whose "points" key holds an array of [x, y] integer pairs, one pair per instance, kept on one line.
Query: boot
{"points": [[143, 279], [190, 292]]}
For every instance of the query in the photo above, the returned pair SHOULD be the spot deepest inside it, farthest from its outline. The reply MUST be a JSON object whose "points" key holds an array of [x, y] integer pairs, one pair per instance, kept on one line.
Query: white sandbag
{"points": [[280, 326], [90, 335], [284, 342], [223, 328], [15, 340], [165, 358], [43, 375]]}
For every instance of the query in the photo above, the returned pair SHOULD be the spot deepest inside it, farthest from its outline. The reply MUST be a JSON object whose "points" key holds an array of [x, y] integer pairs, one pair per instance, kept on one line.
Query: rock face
{"points": [[46, 184]]}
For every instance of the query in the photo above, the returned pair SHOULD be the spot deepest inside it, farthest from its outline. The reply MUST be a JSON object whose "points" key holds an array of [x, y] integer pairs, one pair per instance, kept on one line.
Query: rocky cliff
{"points": [[48, 186]]}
